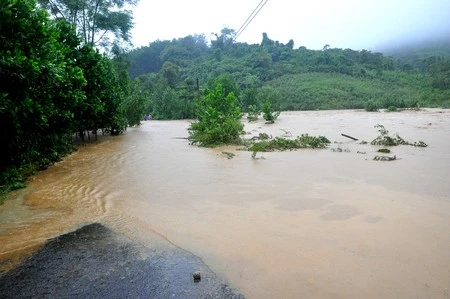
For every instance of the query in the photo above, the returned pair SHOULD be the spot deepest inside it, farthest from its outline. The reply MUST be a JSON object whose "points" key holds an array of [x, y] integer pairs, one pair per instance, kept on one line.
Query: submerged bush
{"points": [[268, 113], [283, 144], [219, 119], [385, 139]]}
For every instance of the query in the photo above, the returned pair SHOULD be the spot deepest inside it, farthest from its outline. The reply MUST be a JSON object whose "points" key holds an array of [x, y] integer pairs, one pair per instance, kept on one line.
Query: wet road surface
{"points": [[94, 262]]}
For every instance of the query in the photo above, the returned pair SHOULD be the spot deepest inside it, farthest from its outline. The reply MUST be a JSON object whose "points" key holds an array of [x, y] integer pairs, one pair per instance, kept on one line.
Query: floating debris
{"points": [[348, 136], [261, 136], [385, 158], [286, 133], [384, 150], [197, 276], [340, 150], [228, 155]]}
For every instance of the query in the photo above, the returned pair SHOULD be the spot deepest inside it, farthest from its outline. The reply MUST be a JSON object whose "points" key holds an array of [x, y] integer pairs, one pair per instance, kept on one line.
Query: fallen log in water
{"points": [[356, 139]]}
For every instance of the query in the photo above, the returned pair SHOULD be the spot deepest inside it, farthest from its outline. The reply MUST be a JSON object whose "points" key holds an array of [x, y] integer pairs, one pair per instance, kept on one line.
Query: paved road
{"points": [[95, 262]]}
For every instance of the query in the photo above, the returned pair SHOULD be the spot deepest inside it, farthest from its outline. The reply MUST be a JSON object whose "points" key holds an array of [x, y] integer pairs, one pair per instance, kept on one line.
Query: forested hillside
{"points": [[293, 78]]}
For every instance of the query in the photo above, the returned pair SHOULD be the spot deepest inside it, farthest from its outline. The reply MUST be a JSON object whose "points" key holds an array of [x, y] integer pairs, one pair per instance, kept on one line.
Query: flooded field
{"points": [[306, 223]]}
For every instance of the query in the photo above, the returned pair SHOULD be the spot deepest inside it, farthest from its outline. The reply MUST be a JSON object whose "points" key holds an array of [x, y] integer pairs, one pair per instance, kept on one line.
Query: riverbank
{"points": [[94, 261]]}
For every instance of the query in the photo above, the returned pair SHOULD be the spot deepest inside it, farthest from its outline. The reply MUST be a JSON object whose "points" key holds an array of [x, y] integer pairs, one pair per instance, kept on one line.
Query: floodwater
{"points": [[298, 224]]}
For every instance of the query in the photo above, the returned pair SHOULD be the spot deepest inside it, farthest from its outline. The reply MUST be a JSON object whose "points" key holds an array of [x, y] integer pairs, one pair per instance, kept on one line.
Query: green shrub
{"points": [[268, 114], [219, 117]]}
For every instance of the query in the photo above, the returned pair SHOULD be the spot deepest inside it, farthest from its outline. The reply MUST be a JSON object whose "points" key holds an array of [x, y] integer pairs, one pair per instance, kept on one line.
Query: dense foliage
{"points": [[297, 79], [52, 86]]}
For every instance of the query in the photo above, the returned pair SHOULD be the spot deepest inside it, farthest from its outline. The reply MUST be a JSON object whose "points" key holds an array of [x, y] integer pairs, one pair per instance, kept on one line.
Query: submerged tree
{"points": [[219, 118], [95, 20]]}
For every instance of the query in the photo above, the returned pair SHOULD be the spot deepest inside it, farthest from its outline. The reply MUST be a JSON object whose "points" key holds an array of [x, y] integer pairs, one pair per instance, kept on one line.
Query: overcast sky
{"points": [[355, 24]]}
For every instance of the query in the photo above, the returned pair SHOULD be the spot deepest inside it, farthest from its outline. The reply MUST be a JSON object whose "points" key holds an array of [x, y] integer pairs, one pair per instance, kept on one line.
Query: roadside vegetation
{"points": [[55, 85]]}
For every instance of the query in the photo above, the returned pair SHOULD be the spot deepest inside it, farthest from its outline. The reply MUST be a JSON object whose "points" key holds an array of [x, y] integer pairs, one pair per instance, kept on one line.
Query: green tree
{"points": [[95, 20], [134, 97], [224, 39], [147, 59], [228, 84], [268, 114], [51, 87], [219, 117], [41, 86], [188, 93], [270, 106]]}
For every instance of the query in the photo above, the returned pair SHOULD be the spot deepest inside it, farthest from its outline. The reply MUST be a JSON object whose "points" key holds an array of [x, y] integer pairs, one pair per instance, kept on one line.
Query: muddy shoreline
{"points": [[94, 261]]}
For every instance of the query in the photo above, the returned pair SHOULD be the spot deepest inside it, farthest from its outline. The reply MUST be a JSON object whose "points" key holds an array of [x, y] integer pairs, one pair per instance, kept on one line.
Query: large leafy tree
{"points": [[224, 39], [104, 104], [96, 21]]}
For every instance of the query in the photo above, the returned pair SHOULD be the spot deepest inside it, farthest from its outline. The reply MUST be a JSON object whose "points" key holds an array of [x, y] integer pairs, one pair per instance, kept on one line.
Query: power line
{"points": [[250, 18]]}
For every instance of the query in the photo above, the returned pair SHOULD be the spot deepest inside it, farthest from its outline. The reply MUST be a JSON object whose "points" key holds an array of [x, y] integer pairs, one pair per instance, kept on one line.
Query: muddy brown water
{"points": [[307, 223]]}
